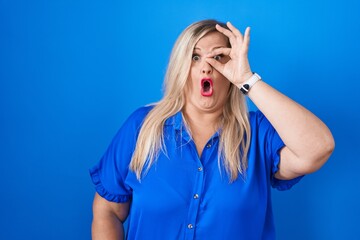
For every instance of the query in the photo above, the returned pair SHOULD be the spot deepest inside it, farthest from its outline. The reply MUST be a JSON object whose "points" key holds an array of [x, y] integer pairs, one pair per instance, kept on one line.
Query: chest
{"points": [[180, 182], [201, 138]]}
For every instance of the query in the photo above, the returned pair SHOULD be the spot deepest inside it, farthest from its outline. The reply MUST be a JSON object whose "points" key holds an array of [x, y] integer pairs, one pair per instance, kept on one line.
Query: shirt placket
{"points": [[197, 194]]}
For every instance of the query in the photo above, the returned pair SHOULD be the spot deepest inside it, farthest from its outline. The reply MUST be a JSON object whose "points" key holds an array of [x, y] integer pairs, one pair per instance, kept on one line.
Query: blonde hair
{"points": [[235, 131]]}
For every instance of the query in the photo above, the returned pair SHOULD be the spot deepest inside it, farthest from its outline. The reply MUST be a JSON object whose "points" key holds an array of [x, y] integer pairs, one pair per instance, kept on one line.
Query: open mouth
{"points": [[206, 87]]}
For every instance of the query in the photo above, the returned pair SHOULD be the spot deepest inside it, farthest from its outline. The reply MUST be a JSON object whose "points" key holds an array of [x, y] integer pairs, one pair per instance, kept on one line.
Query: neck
{"points": [[202, 125], [198, 119]]}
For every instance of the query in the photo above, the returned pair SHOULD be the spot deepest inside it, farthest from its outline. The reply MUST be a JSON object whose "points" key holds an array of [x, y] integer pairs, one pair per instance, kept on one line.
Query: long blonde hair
{"points": [[235, 131]]}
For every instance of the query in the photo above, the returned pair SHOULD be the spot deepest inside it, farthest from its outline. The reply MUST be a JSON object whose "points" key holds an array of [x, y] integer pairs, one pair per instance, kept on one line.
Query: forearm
{"points": [[303, 133], [107, 227]]}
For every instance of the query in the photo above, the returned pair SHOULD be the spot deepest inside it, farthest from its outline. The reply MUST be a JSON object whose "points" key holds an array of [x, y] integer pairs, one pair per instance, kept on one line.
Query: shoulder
{"points": [[257, 117], [260, 125], [141, 113], [137, 117], [134, 121]]}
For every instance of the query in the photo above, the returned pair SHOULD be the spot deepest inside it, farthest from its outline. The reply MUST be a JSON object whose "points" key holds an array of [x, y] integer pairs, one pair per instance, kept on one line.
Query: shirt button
{"points": [[200, 169], [208, 146], [196, 196], [190, 226]]}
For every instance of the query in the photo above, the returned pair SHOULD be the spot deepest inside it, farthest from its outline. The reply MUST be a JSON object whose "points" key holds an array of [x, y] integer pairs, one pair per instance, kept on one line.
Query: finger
{"points": [[233, 29], [224, 31], [227, 33], [218, 51], [215, 64], [246, 39]]}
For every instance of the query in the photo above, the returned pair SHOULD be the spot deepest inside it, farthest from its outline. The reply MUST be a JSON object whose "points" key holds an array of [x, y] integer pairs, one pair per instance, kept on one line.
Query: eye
{"points": [[218, 57], [195, 57]]}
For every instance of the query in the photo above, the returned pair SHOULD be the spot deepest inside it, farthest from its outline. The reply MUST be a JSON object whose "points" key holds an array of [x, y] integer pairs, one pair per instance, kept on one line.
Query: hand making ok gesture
{"points": [[237, 70]]}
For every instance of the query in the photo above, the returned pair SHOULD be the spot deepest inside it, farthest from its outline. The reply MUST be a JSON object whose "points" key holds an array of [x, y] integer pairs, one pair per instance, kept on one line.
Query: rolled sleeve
{"points": [[121, 194], [281, 185], [273, 145], [110, 173]]}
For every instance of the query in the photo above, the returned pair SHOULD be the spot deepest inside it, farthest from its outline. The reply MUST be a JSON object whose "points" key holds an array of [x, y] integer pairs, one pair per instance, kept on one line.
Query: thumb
{"points": [[215, 64]]}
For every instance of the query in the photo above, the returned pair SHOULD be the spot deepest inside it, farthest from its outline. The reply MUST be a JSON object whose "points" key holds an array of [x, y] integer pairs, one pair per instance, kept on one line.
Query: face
{"points": [[207, 89]]}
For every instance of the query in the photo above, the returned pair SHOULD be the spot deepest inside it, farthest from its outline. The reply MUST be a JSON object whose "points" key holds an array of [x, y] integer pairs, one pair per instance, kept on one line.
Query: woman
{"points": [[197, 165]]}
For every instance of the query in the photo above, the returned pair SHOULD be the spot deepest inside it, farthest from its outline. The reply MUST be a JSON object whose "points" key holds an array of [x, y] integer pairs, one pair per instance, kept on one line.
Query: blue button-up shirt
{"points": [[187, 196]]}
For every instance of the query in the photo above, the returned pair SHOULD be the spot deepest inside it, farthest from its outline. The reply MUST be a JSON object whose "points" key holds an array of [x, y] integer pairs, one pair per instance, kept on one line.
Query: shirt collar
{"points": [[175, 120], [178, 123]]}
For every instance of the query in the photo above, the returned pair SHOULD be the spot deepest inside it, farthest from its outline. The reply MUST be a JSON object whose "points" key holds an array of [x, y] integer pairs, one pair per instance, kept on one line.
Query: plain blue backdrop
{"points": [[72, 71]]}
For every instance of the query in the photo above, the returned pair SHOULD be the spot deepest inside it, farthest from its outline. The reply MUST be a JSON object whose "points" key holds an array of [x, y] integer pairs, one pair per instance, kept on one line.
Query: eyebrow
{"points": [[196, 48]]}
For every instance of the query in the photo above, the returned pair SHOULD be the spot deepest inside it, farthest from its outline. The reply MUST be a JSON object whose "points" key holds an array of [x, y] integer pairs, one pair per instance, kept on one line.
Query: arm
{"points": [[108, 219], [308, 141]]}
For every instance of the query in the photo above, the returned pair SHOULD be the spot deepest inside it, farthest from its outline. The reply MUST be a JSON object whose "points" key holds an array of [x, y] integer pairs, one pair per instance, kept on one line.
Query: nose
{"points": [[206, 68]]}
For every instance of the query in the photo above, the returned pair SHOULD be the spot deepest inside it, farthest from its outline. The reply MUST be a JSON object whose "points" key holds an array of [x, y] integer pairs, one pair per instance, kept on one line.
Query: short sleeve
{"points": [[273, 145], [109, 174]]}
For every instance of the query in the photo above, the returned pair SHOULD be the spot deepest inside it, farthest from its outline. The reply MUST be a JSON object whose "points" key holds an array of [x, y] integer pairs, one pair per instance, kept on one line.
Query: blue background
{"points": [[72, 71]]}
